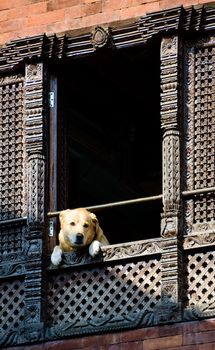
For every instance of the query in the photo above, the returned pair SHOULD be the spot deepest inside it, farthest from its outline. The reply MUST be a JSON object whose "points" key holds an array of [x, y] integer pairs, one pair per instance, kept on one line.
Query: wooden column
{"points": [[171, 264], [34, 133]]}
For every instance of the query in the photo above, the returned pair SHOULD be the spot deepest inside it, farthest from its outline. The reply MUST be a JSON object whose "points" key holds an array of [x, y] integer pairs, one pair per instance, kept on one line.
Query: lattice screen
{"points": [[11, 148], [204, 122], [11, 239], [200, 137], [204, 131], [200, 278], [103, 291], [11, 305]]}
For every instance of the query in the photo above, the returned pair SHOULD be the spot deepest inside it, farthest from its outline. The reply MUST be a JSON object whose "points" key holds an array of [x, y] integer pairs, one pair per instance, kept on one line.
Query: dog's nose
{"points": [[79, 235], [79, 238]]}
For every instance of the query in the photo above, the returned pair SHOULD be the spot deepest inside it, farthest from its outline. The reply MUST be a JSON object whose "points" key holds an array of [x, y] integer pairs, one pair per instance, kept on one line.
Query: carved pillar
{"points": [[34, 127], [170, 228], [36, 175]]}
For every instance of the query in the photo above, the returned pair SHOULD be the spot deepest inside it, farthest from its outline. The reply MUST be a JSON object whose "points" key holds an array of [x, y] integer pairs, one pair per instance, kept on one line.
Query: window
{"points": [[109, 138]]}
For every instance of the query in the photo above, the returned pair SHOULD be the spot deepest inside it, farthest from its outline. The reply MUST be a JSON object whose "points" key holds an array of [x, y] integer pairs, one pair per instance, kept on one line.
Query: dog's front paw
{"points": [[94, 248], [56, 256]]}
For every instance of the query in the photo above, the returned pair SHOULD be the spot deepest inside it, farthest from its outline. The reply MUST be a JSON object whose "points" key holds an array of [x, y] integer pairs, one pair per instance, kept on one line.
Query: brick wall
{"points": [[21, 18], [197, 335]]}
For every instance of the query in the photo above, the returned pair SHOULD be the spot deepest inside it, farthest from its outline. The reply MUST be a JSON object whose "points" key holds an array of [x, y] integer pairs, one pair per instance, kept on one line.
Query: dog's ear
{"points": [[63, 214], [96, 223], [94, 219], [98, 232]]}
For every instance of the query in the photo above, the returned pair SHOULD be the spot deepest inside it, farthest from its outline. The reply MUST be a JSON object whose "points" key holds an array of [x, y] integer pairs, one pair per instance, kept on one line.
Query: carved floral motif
{"points": [[199, 240], [169, 47], [134, 249], [34, 72]]}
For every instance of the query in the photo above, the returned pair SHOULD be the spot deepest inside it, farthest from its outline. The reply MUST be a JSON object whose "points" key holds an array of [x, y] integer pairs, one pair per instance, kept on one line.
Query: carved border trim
{"points": [[199, 240], [119, 252], [104, 324], [137, 249], [192, 19], [132, 249]]}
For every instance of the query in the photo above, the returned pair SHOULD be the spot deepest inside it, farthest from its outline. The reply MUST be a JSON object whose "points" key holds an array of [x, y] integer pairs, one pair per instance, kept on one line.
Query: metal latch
{"points": [[51, 228], [51, 99]]}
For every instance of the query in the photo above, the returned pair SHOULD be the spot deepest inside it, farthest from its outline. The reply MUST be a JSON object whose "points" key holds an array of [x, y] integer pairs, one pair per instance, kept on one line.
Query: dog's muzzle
{"points": [[79, 238]]}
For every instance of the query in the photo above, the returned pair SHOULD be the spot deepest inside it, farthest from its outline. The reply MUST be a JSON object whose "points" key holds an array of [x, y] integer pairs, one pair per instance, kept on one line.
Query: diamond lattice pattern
{"points": [[100, 291]]}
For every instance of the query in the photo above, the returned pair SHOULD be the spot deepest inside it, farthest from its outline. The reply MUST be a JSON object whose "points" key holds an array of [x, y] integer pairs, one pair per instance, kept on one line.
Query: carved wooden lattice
{"points": [[200, 135], [103, 292], [11, 239], [200, 277], [11, 305], [12, 172]]}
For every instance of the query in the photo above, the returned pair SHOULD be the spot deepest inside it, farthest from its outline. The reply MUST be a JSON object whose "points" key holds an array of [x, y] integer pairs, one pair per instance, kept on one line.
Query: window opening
{"points": [[109, 104]]}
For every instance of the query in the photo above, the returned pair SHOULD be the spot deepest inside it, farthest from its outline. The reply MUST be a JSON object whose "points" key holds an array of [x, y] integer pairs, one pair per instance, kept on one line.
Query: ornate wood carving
{"points": [[199, 240], [13, 196], [34, 108], [199, 135], [12, 151], [171, 261], [133, 249], [171, 172], [200, 291], [100, 37], [108, 297], [193, 19], [199, 173], [36, 178], [35, 135], [12, 303], [171, 142], [148, 272]]}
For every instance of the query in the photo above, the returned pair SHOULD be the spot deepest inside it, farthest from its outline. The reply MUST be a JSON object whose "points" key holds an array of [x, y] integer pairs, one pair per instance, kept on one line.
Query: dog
{"points": [[79, 228]]}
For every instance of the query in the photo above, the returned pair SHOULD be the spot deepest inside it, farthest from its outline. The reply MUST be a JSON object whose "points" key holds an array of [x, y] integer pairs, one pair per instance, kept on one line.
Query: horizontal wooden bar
{"points": [[13, 221], [115, 204], [139, 200], [198, 191]]}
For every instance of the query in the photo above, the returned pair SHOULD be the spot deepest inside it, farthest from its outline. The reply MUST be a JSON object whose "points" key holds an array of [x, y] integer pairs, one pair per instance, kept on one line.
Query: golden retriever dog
{"points": [[79, 228]]}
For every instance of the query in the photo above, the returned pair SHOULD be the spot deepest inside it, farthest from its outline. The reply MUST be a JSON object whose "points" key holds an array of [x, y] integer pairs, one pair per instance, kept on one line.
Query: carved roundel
{"points": [[34, 72], [99, 37], [169, 46]]}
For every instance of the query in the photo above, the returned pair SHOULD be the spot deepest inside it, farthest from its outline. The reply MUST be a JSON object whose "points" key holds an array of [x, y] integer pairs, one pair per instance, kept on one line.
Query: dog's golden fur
{"points": [[79, 228]]}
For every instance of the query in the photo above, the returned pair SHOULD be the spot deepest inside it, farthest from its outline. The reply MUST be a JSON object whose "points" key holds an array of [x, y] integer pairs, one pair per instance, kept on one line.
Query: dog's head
{"points": [[78, 226]]}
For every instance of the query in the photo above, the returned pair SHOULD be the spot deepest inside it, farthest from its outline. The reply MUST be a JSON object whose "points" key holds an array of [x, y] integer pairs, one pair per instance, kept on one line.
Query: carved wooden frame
{"points": [[34, 52]]}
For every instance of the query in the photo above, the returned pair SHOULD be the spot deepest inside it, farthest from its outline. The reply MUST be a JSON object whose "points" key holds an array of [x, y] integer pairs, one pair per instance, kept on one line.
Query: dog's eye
{"points": [[86, 225], [72, 223]]}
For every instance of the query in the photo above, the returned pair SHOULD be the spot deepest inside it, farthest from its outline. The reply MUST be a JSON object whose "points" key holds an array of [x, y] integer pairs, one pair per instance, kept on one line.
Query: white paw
{"points": [[56, 256], [94, 248]]}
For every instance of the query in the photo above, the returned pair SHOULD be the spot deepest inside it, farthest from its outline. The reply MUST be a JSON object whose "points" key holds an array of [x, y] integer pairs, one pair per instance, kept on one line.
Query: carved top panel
{"points": [[57, 47]]}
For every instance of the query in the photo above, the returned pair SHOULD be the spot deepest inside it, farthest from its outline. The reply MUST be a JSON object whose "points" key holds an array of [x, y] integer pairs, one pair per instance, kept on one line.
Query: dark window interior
{"points": [[110, 102]]}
